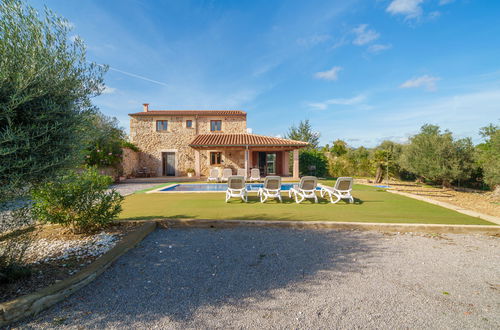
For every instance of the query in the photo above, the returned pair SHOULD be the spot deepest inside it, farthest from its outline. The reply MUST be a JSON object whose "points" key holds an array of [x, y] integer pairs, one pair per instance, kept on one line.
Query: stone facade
{"points": [[177, 137], [130, 162]]}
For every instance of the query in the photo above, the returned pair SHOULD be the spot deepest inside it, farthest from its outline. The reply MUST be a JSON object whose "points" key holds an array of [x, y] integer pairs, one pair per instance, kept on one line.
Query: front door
{"points": [[168, 163]]}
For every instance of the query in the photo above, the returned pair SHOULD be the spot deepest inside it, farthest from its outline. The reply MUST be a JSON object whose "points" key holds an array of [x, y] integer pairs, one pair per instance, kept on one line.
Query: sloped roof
{"points": [[242, 140], [190, 113]]}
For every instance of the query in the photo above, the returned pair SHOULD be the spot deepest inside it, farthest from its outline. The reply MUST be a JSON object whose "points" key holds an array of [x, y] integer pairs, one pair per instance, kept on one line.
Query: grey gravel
{"points": [[281, 278], [127, 188]]}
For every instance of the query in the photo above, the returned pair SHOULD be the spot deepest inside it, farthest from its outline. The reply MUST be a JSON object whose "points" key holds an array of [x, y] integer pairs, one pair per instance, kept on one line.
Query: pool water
{"points": [[220, 187]]}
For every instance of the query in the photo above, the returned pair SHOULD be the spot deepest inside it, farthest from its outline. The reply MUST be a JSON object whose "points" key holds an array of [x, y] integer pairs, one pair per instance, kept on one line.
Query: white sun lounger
{"points": [[341, 190], [305, 189], [213, 175], [236, 188], [254, 174], [242, 172], [226, 173], [271, 189]]}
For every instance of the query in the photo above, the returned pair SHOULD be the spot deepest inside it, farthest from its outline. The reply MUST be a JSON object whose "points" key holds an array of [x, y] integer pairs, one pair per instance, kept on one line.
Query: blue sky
{"points": [[362, 71]]}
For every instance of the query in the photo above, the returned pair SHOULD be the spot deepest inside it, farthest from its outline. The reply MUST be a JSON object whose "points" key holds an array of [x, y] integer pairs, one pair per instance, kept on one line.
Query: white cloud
{"points": [[364, 35], [331, 74], [409, 8], [338, 101], [425, 81], [109, 90], [378, 48], [313, 40]]}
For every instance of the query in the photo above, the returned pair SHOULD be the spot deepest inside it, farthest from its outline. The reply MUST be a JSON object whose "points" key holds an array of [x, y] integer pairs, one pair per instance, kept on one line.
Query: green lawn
{"points": [[372, 205]]}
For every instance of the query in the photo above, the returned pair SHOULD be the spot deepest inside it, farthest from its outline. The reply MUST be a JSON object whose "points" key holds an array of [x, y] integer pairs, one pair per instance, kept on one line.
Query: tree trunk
{"points": [[379, 176], [446, 184]]}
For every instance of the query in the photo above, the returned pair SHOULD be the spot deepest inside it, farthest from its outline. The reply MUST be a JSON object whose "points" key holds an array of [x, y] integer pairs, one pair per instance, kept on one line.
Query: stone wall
{"points": [[130, 162], [233, 159], [177, 138]]}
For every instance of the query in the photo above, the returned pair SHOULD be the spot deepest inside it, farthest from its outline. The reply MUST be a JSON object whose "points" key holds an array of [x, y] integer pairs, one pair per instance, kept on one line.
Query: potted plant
{"points": [[190, 172]]}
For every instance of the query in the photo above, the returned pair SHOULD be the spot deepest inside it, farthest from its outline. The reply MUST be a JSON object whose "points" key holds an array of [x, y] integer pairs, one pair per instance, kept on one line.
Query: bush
{"points": [[436, 156], [312, 162], [488, 155], [80, 201]]}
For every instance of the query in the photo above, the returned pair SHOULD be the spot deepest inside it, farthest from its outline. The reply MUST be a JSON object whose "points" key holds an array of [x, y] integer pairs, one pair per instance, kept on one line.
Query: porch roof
{"points": [[243, 140]]}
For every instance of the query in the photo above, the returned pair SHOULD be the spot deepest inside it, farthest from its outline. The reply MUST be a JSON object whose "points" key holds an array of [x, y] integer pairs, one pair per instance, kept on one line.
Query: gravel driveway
{"points": [[283, 278], [127, 188]]}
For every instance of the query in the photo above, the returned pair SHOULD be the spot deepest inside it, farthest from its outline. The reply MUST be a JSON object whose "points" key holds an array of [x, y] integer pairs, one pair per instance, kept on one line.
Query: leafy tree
{"points": [[436, 156], [106, 139], [385, 159], [304, 132], [45, 88], [488, 155], [339, 148], [313, 162]]}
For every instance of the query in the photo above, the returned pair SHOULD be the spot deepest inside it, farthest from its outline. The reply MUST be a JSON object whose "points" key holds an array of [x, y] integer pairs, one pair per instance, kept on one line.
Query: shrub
{"points": [[312, 162], [488, 155], [80, 201], [437, 157]]}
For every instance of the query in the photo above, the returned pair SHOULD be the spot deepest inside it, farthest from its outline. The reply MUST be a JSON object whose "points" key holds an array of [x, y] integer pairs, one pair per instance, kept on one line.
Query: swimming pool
{"points": [[210, 187]]}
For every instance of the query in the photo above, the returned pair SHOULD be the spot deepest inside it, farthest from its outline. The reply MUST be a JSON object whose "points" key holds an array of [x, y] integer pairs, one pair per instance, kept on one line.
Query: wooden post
{"points": [[296, 163], [197, 163]]}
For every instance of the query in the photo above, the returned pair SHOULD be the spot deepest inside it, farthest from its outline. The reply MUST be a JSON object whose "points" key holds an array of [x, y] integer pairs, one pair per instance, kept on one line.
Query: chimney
{"points": [[146, 107]]}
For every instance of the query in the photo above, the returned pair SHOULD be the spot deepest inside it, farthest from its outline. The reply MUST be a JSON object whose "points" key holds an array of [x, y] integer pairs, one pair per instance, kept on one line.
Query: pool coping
{"points": [[160, 190]]}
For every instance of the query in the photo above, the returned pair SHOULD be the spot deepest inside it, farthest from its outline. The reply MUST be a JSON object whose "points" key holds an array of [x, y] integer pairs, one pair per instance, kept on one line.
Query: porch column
{"points": [[250, 162], [296, 163], [246, 161], [286, 163], [197, 163]]}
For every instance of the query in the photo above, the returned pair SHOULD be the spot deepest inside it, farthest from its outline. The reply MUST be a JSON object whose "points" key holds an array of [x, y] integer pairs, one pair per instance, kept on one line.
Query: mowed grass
{"points": [[372, 205]]}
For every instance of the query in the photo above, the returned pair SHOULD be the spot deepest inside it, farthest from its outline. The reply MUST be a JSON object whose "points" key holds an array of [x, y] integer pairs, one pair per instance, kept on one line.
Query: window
{"points": [[215, 158], [161, 125], [215, 125], [189, 123]]}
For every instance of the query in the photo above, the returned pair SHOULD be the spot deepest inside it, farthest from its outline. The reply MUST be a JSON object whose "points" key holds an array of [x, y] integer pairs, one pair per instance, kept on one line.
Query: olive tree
{"points": [[46, 84], [488, 154], [436, 156]]}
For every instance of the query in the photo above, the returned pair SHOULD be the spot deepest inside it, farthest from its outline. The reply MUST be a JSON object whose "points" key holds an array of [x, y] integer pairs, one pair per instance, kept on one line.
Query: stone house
{"points": [[175, 141]]}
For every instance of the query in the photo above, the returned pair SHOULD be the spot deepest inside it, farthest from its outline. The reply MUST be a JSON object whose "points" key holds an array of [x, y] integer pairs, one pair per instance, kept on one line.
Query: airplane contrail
{"points": [[136, 76]]}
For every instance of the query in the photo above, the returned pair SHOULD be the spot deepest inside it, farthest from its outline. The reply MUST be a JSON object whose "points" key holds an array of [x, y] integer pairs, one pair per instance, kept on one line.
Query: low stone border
{"points": [[384, 227], [483, 216], [34, 303]]}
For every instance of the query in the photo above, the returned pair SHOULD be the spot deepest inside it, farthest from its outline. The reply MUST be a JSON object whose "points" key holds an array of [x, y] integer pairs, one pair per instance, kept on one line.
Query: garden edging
{"points": [[34, 303], [384, 227]]}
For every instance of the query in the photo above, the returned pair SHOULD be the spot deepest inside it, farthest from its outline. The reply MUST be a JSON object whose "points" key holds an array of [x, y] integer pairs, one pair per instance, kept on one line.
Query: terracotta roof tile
{"points": [[190, 113], [241, 140]]}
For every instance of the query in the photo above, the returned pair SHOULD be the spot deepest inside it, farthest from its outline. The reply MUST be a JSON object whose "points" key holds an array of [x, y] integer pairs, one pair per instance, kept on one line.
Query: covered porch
{"points": [[270, 155]]}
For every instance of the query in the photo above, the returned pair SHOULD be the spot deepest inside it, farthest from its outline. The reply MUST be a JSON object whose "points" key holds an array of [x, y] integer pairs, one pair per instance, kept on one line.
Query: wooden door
{"points": [[168, 163]]}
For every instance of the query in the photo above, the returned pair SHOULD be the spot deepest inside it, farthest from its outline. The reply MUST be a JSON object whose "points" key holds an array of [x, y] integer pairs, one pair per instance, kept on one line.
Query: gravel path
{"points": [[282, 278], [129, 188]]}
